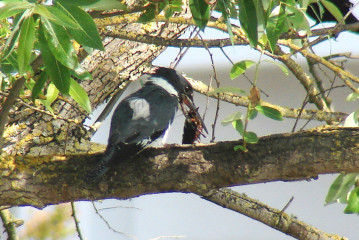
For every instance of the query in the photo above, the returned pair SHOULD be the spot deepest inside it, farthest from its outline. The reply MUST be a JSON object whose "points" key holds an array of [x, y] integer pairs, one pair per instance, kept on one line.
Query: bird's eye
{"points": [[187, 89]]}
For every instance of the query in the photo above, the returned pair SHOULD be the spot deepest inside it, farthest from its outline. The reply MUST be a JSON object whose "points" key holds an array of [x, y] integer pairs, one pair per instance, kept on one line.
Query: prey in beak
{"points": [[194, 125]]}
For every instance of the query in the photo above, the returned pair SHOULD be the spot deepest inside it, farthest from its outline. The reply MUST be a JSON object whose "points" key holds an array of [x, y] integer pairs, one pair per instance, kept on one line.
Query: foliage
{"points": [[51, 30]]}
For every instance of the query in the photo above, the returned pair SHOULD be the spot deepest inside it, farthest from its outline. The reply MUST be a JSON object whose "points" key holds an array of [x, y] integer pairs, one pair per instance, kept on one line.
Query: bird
{"points": [[145, 116]]}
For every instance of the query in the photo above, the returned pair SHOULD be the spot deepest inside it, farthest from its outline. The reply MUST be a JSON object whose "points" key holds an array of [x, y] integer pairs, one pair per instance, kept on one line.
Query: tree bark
{"points": [[43, 180]]}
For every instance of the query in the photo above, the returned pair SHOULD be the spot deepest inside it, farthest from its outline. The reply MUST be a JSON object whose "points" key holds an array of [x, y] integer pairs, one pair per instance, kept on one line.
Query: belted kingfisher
{"points": [[145, 116]]}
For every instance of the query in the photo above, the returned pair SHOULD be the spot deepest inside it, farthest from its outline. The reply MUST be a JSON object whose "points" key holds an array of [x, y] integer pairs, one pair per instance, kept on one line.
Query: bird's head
{"points": [[181, 87]]}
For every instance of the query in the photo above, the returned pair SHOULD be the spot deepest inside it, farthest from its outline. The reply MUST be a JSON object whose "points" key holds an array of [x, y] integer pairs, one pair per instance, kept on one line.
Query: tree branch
{"points": [[345, 75], [43, 180], [196, 42], [304, 79], [76, 220], [272, 217], [9, 224], [287, 112]]}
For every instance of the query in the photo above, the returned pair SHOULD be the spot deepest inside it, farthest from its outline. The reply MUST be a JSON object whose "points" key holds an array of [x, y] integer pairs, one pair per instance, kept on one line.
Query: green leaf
{"points": [[276, 25], [39, 85], [304, 3], [56, 15], [149, 14], [240, 147], [353, 202], [250, 137], [200, 12], [172, 7], [333, 9], [232, 118], [48, 107], [169, 12], [224, 6], [234, 90], [269, 112], [9, 65], [248, 19], [104, 5], [80, 95], [352, 97], [252, 113], [262, 21], [281, 66], [239, 126], [11, 8], [58, 73], [297, 20], [12, 39], [78, 2], [81, 73], [340, 188], [59, 43], [51, 94], [86, 31], [240, 67], [26, 43]]}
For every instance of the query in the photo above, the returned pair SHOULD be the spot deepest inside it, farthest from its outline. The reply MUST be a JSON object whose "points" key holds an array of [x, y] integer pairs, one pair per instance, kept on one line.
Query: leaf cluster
{"points": [[52, 31]]}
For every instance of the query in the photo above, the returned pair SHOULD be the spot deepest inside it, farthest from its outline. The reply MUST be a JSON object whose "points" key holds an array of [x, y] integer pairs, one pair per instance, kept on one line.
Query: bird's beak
{"points": [[192, 116]]}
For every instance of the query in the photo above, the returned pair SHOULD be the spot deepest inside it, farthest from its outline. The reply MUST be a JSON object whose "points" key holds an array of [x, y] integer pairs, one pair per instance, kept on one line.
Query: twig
{"points": [[304, 79], [108, 224], [272, 217], [345, 75], [182, 51], [110, 208], [8, 224], [305, 101], [226, 55], [318, 80], [287, 205], [54, 116], [77, 223], [218, 85], [169, 237]]}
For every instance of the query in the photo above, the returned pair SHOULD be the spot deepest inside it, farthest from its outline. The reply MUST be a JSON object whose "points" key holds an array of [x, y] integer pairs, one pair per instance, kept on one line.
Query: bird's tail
{"points": [[102, 166]]}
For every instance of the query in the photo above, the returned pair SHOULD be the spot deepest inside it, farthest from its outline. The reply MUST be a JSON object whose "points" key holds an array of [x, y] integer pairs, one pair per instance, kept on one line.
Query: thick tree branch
{"points": [[40, 181], [272, 217]]}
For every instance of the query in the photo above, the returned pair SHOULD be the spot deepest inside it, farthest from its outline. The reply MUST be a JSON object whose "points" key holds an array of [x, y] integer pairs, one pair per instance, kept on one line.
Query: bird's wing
{"points": [[142, 117], [138, 120]]}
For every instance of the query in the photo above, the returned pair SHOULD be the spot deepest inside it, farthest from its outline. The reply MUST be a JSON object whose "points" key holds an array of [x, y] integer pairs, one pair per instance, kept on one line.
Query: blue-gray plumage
{"points": [[143, 117]]}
